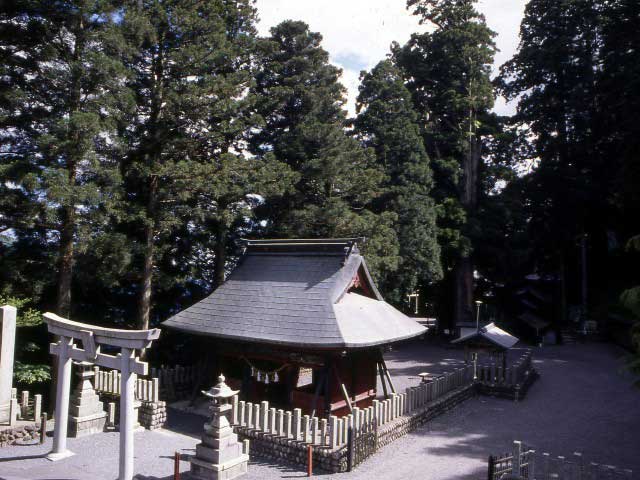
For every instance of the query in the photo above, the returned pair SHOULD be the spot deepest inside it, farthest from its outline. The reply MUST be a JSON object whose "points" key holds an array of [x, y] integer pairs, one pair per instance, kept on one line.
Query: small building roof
{"points": [[299, 293], [491, 334]]}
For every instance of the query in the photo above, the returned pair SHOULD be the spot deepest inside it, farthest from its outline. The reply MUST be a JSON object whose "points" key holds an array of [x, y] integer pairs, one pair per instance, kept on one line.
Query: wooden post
{"points": [[386, 372], [176, 466], [491, 463], [43, 427], [517, 457], [382, 380], [309, 461], [351, 449]]}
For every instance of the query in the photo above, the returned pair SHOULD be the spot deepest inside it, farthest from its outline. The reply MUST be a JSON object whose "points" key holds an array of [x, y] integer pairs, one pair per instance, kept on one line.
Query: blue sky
{"points": [[357, 33]]}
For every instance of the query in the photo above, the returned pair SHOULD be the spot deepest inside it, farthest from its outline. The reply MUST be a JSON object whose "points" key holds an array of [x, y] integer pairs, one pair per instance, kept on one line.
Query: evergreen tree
{"points": [[61, 98], [186, 170], [387, 123], [448, 75], [301, 101], [553, 76], [618, 103]]}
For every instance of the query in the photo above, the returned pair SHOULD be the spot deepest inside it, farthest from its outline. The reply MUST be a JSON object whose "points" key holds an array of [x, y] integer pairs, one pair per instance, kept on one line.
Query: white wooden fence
{"points": [[515, 374], [108, 381], [176, 382], [21, 407], [332, 433]]}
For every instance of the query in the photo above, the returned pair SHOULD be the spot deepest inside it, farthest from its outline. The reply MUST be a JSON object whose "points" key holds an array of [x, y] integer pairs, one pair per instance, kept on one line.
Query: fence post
{"points": [[491, 463], [37, 407], [517, 459], [297, 413], [43, 427], [351, 449], [333, 427], [310, 461], [176, 466]]}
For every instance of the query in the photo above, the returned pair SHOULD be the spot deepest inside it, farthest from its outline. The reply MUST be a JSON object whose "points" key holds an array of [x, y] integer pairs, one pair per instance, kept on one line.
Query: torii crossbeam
{"points": [[92, 338]]}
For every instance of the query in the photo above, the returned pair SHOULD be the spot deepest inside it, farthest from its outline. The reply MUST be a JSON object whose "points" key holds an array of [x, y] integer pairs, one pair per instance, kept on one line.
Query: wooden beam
{"points": [[382, 380], [386, 372], [345, 394]]}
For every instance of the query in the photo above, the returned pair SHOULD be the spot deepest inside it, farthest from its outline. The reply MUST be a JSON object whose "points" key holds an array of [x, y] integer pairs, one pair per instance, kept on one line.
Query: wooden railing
{"points": [[108, 381], [21, 407], [333, 432], [515, 374], [524, 463]]}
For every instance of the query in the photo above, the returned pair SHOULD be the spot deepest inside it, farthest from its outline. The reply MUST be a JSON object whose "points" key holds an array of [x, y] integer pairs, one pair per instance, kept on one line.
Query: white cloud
{"points": [[357, 33]]}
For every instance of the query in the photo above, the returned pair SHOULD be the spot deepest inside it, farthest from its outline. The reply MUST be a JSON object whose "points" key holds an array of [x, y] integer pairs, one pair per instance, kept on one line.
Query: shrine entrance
{"points": [[92, 338]]}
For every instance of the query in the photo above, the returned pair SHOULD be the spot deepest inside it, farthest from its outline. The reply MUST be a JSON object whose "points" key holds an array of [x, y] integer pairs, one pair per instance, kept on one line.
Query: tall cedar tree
{"points": [[388, 123], [61, 99], [618, 90], [191, 62], [301, 101], [553, 76], [448, 75]]}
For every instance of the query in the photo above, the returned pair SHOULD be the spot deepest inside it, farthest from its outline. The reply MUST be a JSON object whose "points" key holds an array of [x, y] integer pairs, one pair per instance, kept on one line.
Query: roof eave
{"points": [[322, 346]]}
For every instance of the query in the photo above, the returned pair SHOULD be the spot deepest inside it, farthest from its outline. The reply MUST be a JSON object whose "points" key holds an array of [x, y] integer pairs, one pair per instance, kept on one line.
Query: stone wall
{"points": [[152, 415], [292, 452], [23, 433]]}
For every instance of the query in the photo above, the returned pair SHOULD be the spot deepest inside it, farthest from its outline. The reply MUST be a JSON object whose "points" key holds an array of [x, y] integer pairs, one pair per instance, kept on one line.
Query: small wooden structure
{"points": [[489, 339], [301, 324]]}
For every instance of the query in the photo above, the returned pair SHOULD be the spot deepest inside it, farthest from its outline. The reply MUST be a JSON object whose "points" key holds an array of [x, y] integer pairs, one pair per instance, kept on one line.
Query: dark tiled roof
{"points": [[286, 293], [492, 334]]}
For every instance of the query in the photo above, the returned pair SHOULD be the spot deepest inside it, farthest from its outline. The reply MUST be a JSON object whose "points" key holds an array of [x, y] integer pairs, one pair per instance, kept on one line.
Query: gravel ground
{"points": [[582, 402]]}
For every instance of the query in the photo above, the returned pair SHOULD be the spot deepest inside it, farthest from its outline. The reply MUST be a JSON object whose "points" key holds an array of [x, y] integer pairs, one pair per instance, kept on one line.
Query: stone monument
{"points": [[87, 415], [220, 456], [7, 346]]}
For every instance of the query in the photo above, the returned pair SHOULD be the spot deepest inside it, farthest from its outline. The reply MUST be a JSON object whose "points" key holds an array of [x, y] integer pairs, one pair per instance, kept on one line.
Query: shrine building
{"points": [[301, 324]]}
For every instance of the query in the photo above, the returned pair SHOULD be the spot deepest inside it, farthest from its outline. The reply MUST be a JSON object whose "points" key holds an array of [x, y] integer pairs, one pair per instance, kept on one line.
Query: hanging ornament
{"points": [[259, 376], [253, 372], [266, 379], [275, 377]]}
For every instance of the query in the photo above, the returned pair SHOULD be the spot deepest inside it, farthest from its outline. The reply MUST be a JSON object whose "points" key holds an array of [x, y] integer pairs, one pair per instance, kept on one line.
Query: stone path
{"points": [[582, 402]]}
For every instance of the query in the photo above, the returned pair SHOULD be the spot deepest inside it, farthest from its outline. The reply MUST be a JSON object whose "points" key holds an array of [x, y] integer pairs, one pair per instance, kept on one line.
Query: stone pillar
{"points": [[7, 345], [59, 450], [127, 413], [87, 412], [220, 456]]}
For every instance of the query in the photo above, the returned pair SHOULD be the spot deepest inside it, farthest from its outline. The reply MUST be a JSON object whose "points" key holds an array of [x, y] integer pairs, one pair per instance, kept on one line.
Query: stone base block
{"points": [[84, 426], [54, 457], [226, 471]]}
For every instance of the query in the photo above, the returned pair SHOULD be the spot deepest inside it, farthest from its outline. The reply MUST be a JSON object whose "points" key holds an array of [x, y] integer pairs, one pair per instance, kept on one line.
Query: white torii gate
{"points": [[92, 337]]}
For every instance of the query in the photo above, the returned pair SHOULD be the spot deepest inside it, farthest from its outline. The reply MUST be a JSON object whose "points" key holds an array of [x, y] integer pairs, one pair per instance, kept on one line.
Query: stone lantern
{"points": [[220, 456]]}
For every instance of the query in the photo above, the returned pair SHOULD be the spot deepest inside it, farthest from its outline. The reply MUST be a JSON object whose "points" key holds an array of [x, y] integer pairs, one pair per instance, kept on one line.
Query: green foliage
{"points": [[300, 99], [387, 123], [30, 373], [26, 316], [28, 349]]}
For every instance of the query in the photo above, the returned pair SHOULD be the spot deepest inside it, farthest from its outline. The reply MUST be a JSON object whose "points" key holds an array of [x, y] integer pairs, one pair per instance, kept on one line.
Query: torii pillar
{"points": [[92, 337]]}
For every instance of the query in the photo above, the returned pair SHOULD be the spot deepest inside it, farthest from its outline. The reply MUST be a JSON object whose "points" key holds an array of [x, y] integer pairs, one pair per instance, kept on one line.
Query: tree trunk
{"points": [[65, 272], [464, 292], [221, 253], [463, 307], [144, 305]]}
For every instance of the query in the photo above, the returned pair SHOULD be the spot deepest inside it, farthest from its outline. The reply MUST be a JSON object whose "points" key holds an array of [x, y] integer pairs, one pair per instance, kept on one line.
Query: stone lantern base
{"points": [[210, 471], [220, 456], [87, 415]]}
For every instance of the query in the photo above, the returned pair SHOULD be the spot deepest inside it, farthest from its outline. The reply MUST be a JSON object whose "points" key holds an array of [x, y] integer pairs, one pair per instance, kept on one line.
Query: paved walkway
{"points": [[582, 402]]}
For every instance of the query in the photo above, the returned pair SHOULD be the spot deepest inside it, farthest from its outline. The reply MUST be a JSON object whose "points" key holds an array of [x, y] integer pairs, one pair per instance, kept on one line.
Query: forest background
{"points": [[140, 141]]}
